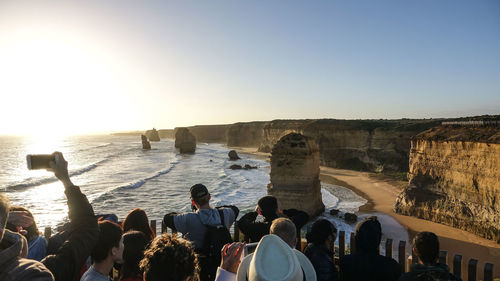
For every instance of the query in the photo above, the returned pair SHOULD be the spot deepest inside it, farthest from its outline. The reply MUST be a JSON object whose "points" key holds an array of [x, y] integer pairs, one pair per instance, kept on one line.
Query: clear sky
{"points": [[96, 66]]}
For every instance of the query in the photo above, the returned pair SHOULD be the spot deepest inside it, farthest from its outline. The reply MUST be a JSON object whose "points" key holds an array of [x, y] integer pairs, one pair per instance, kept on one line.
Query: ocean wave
{"points": [[32, 182], [141, 182], [95, 147]]}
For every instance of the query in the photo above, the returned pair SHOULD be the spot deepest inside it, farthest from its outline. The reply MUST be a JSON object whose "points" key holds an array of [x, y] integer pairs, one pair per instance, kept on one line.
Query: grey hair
{"points": [[4, 212], [285, 229]]}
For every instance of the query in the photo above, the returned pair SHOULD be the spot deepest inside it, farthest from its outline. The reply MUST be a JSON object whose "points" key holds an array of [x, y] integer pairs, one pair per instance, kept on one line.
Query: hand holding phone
{"points": [[39, 161]]}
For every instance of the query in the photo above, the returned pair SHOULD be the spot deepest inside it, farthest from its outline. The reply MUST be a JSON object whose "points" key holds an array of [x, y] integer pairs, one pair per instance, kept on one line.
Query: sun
{"points": [[55, 84]]}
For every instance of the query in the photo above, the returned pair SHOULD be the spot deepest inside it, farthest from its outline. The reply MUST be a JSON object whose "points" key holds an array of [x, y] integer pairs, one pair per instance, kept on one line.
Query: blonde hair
{"points": [[285, 229]]}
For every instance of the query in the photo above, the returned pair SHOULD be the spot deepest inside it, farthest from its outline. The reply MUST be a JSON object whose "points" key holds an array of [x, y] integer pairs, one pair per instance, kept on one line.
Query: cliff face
{"points": [[209, 133], [354, 144], [454, 179], [245, 134]]}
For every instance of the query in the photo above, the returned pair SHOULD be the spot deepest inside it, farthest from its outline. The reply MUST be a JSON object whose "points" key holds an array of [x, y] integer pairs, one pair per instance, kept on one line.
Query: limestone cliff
{"points": [[454, 179], [295, 174]]}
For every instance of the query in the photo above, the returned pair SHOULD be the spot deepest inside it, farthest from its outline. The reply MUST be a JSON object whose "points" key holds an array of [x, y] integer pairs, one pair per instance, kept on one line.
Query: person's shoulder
{"points": [[406, 277], [27, 269]]}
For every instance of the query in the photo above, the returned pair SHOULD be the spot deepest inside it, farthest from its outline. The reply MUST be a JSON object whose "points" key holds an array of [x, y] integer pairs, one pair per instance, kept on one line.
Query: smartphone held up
{"points": [[39, 161]]}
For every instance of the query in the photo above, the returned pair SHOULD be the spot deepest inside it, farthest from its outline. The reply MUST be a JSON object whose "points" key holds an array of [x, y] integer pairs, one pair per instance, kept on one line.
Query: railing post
{"points": [[298, 246], [47, 232], [353, 243], [236, 235], [488, 272], [402, 255], [443, 257], [163, 227], [341, 244], [388, 248], [457, 265], [472, 270], [153, 226]]}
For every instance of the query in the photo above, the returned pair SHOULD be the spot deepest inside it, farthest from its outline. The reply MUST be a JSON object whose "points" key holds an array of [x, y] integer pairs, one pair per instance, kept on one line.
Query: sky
{"points": [[74, 67]]}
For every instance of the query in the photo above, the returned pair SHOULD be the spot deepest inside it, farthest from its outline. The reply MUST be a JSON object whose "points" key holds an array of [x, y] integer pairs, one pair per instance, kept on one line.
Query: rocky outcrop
{"points": [[239, 167], [233, 155], [145, 142], [153, 135], [185, 141], [295, 174], [454, 179]]}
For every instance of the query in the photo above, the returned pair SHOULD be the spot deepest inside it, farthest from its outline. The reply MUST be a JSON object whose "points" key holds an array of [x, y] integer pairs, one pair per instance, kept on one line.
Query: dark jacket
{"points": [[256, 230], [420, 272], [322, 260], [363, 266], [14, 268], [65, 265]]}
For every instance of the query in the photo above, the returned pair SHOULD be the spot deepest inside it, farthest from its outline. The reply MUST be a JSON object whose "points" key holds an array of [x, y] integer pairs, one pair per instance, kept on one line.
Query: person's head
{"points": [[169, 259], [426, 247], [135, 244], [110, 243], [4, 213], [268, 206], [138, 220], [322, 232], [368, 234], [32, 230], [199, 195], [285, 229]]}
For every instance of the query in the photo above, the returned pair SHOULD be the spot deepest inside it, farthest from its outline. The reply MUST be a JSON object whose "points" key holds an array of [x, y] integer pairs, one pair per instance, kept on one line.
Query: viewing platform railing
{"points": [[471, 270]]}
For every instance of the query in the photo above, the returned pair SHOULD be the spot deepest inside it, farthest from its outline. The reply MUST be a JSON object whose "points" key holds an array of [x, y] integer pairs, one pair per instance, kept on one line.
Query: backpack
{"points": [[215, 238]]}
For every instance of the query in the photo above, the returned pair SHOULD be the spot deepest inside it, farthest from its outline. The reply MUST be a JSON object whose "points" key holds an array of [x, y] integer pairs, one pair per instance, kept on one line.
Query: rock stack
{"points": [[233, 155], [145, 142], [185, 141], [153, 135], [295, 174]]}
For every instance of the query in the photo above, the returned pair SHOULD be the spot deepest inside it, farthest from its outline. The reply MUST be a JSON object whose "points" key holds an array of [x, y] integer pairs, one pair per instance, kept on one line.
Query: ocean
{"points": [[117, 175]]}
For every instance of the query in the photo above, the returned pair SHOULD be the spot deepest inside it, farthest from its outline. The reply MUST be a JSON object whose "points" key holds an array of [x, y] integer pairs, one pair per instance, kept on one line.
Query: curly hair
{"points": [[169, 259]]}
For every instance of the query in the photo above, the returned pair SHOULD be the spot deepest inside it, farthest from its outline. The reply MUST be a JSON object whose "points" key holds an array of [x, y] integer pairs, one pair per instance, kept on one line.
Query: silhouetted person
{"points": [[135, 244], [170, 259], [13, 264], [268, 207], [138, 220], [426, 247], [320, 239], [21, 220], [366, 263]]}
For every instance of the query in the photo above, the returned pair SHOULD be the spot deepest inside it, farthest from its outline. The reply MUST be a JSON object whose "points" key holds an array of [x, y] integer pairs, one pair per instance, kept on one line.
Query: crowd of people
{"points": [[92, 247]]}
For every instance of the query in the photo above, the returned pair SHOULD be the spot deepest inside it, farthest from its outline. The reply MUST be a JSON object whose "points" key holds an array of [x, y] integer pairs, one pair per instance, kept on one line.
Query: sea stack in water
{"points": [[295, 174], [233, 155], [454, 178], [153, 135], [185, 141], [145, 142]]}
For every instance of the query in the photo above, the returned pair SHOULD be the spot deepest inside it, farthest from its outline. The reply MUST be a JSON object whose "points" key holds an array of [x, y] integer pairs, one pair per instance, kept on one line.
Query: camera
{"points": [[39, 161]]}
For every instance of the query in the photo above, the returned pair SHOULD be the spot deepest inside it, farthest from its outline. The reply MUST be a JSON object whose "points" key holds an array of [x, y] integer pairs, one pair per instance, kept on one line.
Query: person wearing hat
{"points": [[268, 207], [193, 224], [366, 263], [274, 258]]}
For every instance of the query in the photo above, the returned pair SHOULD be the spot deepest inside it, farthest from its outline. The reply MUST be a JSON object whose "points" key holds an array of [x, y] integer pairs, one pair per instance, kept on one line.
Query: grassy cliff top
{"points": [[486, 134]]}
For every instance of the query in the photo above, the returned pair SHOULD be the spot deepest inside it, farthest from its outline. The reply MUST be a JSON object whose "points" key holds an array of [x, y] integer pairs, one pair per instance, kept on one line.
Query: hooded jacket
{"points": [[420, 272], [192, 225], [14, 268]]}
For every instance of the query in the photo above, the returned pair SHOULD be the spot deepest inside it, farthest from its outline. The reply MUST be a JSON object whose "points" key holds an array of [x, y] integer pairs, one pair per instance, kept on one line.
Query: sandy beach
{"points": [[381, 194]]}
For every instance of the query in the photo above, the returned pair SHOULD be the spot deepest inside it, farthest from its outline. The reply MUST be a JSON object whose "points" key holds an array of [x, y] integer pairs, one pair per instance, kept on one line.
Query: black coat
{"points": [[256, 230], [322, 260], [66, 263], [364, 266]]}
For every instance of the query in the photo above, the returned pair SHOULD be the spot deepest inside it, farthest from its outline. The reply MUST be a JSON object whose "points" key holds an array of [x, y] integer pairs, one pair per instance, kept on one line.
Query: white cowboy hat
{"points": [[274, 260]]}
